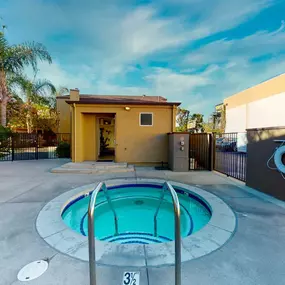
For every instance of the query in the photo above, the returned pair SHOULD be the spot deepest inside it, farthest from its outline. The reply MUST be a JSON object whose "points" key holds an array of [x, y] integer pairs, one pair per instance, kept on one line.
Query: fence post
{"points": [[37, 146], [13, 147], [214, 150], [211, 150]]}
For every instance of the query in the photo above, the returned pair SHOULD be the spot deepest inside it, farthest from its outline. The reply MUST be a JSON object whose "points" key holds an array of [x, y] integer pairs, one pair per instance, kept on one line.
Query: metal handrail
{"points": [[111, 207], [91, 227], [176, 207], [158, 208]]}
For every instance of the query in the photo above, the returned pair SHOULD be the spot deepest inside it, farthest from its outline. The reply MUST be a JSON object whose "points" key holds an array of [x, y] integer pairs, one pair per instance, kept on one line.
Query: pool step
{"points": [[136, 237], [93, 167]]}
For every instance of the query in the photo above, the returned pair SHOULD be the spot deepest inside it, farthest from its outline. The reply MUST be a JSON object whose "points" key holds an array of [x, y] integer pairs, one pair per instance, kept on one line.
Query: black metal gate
{"points": [[25, 146], [200, 151], [230, 155]]}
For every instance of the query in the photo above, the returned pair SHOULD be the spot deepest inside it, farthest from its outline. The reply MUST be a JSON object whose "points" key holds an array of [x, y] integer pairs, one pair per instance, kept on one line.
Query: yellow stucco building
{"points": [[129, 129]]}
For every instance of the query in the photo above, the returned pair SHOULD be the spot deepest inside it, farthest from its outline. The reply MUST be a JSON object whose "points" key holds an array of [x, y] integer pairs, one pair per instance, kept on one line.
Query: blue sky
{"points": [[194, 51]]}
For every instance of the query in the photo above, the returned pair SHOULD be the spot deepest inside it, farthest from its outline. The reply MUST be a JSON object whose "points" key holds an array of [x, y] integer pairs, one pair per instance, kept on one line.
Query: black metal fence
{"points": [[230, 156], [200, 151], [225, 153], [25, 146]]}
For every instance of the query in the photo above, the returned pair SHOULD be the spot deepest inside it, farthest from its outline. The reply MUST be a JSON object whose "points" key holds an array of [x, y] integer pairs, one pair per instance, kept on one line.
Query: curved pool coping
{"points": [[212, 236]]}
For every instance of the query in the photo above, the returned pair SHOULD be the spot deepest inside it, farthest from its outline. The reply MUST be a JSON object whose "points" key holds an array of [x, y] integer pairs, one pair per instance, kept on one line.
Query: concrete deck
{"points": [[254, 255]]}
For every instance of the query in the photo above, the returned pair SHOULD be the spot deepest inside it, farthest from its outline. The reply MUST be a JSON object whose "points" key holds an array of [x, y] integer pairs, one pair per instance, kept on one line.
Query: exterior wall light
{"points": [[127, 108]]}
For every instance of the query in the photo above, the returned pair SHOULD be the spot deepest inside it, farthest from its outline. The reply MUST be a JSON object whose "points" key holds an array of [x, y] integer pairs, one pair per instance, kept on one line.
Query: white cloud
{"points": [[61, 77], [198, 104], [140, 33], [161, 82], [231, 79], [113, 89], [244, 49], [238, 77], [144, 33], [225, 14], [107, 36], [231, 66], [206, 17], [174, 85]]}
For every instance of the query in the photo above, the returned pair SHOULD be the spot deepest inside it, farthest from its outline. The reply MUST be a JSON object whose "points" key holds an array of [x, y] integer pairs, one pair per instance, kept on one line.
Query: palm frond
{"points": [[62, 90], [41, 86], [35, 51], [3, 42], [12, 61], [43, 92], [16, 85], [17, 56], [19, 81], [40, 91], [3, 49]]}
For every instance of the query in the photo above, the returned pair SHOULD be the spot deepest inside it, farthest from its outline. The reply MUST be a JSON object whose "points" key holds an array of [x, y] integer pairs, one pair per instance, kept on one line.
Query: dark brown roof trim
{"points": [[123, 102], [117, 97]]}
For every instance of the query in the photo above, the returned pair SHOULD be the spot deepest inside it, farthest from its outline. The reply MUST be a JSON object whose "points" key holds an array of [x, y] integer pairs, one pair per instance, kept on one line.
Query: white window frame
{"points": [[148, 113]]}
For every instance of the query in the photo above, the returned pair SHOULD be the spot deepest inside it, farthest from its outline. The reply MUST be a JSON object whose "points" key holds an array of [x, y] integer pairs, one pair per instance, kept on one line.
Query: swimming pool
{"points": [[135, 206], [66, 239]]}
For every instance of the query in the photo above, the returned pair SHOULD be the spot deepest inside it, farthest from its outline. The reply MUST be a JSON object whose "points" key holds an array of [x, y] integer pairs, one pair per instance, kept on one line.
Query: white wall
{"points": [[236, 119], [267, 112]]}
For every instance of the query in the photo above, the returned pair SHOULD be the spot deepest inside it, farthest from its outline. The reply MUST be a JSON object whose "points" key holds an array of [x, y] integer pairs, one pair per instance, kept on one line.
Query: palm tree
{"points": [[38, 92], [50, 101], [13, 59], [60, 91]]}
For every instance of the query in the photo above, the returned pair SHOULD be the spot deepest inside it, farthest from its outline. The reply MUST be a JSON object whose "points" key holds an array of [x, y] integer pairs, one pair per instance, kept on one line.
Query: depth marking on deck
{"points": [[131, 278]]}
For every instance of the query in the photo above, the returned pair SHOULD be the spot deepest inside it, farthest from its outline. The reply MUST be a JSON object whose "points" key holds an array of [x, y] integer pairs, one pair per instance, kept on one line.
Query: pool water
{"points": [[135, 206]]}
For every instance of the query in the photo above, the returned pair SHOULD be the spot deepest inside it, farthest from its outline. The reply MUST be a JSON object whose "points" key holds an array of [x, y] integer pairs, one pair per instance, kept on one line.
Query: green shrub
{"points": [[4, 131], [5, 141], [63, 150]]}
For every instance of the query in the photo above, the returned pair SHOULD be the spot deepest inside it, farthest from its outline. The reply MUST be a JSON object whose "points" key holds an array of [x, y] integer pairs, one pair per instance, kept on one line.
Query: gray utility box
{"points": [[178, 151]]}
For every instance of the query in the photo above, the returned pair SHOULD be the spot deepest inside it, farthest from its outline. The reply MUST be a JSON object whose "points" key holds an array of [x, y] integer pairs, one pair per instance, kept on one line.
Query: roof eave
{"points": [[124, 103]]}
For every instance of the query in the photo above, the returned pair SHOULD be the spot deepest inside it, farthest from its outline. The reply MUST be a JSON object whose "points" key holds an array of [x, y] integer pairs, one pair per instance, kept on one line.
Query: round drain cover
{"points": [[32, 270]]}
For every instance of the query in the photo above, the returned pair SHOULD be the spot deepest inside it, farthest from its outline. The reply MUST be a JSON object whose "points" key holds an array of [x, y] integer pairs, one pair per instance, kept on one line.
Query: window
{"points": [[146, 119]]}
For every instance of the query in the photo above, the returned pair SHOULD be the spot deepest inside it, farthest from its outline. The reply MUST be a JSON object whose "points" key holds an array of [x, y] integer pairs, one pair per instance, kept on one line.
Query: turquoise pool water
{"points": [[135, 206]]}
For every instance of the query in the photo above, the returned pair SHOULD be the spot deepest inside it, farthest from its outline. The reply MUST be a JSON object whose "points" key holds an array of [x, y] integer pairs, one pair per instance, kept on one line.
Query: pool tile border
{"points": [[215, 234]]}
